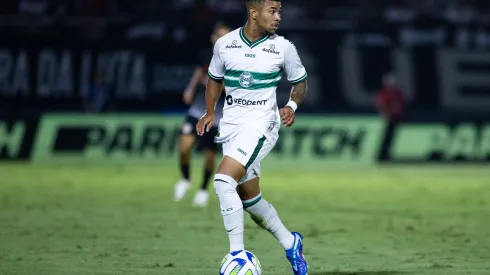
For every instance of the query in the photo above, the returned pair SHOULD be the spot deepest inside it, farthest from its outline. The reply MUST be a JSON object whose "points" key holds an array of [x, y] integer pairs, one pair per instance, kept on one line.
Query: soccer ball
{"points": [[240, 262]]}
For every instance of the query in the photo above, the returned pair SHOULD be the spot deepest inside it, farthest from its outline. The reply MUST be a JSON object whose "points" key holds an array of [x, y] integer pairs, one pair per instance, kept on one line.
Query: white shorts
{"points": [[249, 147]]}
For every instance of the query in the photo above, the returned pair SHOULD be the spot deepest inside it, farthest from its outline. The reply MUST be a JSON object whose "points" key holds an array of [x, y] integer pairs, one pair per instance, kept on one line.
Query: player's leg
{"points": [[186, 142], [265, 215], [239, 153], [262, 212], [230, 171]]}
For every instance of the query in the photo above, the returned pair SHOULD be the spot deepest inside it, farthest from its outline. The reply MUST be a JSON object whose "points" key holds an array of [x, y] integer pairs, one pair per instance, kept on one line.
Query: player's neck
{"points": [[253, 32]]}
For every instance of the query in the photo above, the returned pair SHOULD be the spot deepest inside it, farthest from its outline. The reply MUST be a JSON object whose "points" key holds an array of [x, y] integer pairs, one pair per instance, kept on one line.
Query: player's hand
{"points": [[287, 116], [188, 96], [205, 123]]}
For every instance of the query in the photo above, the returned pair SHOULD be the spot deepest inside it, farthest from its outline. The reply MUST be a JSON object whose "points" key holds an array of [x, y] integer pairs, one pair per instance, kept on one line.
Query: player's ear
{"points": [[253, 12]]}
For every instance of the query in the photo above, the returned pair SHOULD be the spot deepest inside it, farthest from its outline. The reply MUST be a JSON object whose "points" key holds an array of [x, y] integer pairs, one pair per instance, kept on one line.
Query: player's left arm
{"points": [[297, 76]]}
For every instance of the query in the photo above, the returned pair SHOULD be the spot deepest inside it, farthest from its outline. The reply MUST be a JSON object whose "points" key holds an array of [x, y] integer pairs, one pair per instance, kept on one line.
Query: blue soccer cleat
{"points": [[295, 256]]}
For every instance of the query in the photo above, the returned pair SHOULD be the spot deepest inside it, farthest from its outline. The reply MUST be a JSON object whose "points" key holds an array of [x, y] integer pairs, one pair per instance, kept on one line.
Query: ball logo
{"points": [[246, 80]]}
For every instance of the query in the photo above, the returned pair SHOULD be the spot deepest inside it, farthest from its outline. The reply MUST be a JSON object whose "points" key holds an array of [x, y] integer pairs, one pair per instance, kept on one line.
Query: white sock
{"points": [[265, 215], [231, 209]]}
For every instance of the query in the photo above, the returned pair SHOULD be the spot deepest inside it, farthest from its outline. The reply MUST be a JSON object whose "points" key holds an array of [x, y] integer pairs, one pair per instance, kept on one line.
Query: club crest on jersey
{"points": [[233, 45], [271, 49], [246, 80]]}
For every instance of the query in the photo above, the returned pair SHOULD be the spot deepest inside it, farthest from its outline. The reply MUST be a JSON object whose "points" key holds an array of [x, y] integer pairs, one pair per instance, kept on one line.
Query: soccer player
{"points": [[251, 61], [194, 96]]}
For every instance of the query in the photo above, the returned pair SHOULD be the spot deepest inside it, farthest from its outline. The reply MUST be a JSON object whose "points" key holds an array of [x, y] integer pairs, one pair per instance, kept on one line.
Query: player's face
{"points": [[269, 16], [218, 33]]}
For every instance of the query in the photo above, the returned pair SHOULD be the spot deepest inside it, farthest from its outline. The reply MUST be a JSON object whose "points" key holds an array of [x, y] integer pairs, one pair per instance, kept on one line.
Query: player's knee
{"points": [[228, 197], [184, 152], [224, 184]]}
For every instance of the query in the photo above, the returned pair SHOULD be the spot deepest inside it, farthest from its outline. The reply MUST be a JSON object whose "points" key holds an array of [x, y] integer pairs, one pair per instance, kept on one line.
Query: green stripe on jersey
{"points": [[255, 75], [252, 80], [235, 83], [214, 77], [301, 79]]}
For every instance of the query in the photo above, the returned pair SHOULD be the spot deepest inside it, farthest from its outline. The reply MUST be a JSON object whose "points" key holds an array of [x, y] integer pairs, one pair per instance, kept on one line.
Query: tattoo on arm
{"points": [[298, 92]]}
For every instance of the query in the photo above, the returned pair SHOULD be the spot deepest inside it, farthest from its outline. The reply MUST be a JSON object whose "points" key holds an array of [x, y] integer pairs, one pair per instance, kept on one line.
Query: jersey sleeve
{"points": [[295, 71], [216, 69]]}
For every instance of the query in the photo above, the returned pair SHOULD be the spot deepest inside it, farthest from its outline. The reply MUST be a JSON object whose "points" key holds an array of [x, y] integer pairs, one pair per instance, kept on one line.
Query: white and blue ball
{"points": [[240, 262]]}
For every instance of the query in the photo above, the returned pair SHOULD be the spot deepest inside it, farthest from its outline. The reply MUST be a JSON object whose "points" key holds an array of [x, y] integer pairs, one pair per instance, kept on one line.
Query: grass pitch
{"points": [[83, 220]]}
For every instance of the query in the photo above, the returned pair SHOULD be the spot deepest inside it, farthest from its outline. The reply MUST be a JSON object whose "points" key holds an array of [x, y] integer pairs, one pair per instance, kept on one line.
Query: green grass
{"points": [[60, 220]]}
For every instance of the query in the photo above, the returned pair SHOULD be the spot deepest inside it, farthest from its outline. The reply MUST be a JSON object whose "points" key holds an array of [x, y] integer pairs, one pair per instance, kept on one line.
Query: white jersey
{"points": [[251, 72]]}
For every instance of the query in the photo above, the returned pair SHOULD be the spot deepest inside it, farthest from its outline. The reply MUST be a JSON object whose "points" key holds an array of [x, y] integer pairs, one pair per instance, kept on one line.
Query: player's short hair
{"points": [[257, 2]]}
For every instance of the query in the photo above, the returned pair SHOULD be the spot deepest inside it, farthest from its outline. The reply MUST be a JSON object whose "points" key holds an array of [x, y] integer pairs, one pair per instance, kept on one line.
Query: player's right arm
{"points": [[214, 89]]}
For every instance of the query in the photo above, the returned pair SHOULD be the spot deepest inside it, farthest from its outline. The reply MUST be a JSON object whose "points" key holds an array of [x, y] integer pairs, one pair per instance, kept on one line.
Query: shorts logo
{"points": [[242, 152], [246, 80], [271, 126]]}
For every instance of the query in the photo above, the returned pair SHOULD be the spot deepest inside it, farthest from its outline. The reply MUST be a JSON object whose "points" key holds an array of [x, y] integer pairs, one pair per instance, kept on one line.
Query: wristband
{"points": [[293, 105]]}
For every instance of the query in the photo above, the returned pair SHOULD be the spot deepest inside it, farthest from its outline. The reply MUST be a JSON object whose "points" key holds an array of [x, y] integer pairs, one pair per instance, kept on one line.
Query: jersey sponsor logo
{"points": [[244, 102], [271, 49], [229, 99], [246, 80], [234, 45]]}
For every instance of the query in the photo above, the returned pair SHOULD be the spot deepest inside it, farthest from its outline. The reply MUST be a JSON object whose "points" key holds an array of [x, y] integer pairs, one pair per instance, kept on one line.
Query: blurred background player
{"points": [[391, 103], [194, 95], [97, 97], [390, 100]]}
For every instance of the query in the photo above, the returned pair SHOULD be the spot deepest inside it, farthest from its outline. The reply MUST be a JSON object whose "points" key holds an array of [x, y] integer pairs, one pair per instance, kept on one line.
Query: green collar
{"points": [[248, 42]]}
